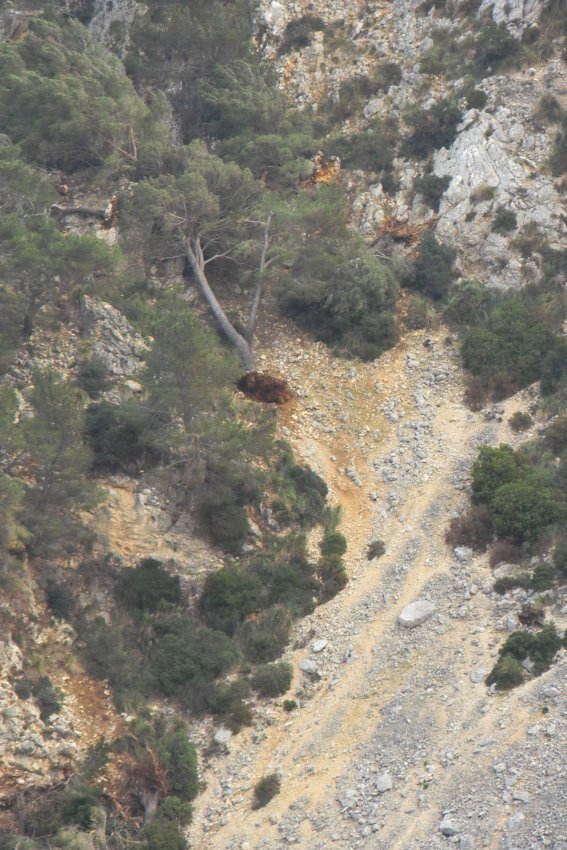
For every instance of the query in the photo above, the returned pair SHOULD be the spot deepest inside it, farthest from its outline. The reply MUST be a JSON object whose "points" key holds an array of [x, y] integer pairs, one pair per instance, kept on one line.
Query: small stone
{"points": [[308, 666], [522, 796], [466, 842], [463, 553], [319, 645], [515, 822], [384, 783], [448, 826], [479, 675], [222, 736]]}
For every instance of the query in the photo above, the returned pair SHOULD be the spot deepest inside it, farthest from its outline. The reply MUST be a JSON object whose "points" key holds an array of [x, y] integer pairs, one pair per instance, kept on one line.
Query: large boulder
{"points": [[416, 613]]}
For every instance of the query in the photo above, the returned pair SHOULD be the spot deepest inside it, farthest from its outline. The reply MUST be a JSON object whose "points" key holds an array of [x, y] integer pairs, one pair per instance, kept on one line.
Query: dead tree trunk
{"points": [[259, 291], [196, 259]]}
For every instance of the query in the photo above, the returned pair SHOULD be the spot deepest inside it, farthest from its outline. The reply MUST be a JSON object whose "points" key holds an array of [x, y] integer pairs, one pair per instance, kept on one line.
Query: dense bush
{"points": [[333, 543], [520, 421], [265, 790], [351, 310], [185, 652], [68, 103], [124, 437], [46, 695], [147, 586], [376, 549], [299, 32], [369, 150], [93, 376], [555, 435], [560, 558], [229, 596], [264, 637], [504, 220], [59, 599], [516, 342], [506, 674], [524, 508], [432, 128], [272, 680], [431, 188], [433, 270], [492, 468]]}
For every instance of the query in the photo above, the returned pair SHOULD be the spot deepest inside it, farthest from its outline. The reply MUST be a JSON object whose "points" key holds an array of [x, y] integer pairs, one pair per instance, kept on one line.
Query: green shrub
{"points": [[368, 150], [185, 653], [147, 586], [385, 75], [506, 583], [163, 834], [504, 220], [541, 647], [432, 128], [332, 575], [289, 705], [560, 557], [492, 468], [93, 376], [229, 596], [523, 509], [46, 695], [555, 435], [376, 549], [433, 271], [532, 614], [520, 421], [299, 32], [59, 599], [431, 188], [420, 313], [333, 543], [506, 674], [223, 700], [558, 158], [272, 680], [543, 577], [265, 790], [264, 637], [124, 437], [549, 109]]}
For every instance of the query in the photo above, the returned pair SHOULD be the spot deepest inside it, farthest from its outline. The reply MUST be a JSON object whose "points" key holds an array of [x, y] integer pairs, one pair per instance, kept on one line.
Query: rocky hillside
{"points": [[388, 184]]}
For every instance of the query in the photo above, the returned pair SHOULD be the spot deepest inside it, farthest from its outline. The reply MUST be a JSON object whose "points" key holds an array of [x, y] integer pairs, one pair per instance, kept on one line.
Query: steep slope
{"points": [[394, 441]]}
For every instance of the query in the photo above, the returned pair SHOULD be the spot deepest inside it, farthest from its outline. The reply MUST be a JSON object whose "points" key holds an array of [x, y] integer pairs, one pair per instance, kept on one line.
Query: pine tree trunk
{"points": [[194, 255]]}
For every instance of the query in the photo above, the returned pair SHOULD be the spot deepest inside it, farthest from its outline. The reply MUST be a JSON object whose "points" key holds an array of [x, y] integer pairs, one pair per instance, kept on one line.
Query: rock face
{"points": [[114, 339], [416, 613], [517, 15], [493, 163], [111, 22]]}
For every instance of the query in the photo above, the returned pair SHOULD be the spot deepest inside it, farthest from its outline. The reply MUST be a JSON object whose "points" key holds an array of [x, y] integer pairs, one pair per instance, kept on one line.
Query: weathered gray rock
{"points": [[463, 553], [114, 340], [448, 826], [222, 736], [308, 666], [416, 613], [384, 783], [319, 645], [515, 822]]}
